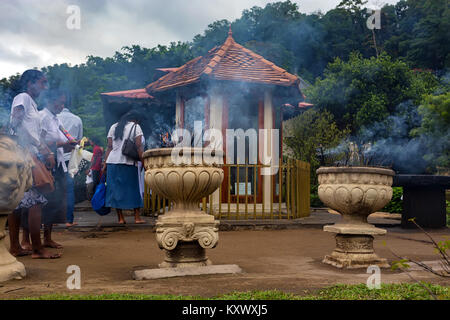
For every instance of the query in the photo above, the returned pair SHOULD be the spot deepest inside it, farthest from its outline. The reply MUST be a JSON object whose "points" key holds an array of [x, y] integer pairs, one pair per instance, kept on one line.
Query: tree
{"points": [[435, 129], [418, 31], [362, 91], [311, 134]]}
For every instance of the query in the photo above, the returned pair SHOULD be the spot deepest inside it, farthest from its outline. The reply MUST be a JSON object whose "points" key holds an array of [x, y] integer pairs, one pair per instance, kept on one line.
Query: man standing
{"points": [[74, 126]]}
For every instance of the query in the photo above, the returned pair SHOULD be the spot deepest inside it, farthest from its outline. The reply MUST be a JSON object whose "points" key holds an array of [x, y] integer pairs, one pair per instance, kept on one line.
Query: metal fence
{"points": [[246, 194]]}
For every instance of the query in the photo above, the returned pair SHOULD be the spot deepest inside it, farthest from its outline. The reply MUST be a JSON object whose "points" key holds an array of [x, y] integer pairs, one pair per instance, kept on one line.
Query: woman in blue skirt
{"points": [[122, 180]]}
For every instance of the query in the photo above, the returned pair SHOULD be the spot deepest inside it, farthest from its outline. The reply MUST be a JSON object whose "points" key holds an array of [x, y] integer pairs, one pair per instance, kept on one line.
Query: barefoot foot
{"points": [[26, 246], [20, 253], [52, 244], [44, 254], [68, 224]]}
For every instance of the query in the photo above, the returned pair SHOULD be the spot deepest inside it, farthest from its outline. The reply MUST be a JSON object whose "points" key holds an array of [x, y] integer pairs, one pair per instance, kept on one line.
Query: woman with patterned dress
{"points": [[26, 127]]}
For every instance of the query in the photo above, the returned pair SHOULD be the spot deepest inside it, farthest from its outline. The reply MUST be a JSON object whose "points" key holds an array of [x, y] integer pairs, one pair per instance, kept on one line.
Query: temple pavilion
{"points": [[230, 87]]}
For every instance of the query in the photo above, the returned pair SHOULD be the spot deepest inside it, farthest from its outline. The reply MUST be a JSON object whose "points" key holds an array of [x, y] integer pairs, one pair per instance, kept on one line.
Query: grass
{"points": [[403, 291]]}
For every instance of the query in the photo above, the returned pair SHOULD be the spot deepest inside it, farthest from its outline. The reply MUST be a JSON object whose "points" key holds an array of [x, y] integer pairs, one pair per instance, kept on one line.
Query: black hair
{"points": [[29, 75], [130, 115]]}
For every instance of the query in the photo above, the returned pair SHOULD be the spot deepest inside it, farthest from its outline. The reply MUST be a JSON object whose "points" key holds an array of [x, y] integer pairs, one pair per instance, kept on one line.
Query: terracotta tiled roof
{"points": [[305, 105], [131, 94], [231, 61], [167, 69], [300, 105]]}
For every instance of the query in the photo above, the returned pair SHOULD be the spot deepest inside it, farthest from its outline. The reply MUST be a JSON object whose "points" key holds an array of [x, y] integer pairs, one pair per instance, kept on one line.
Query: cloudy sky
{"points": [[34, 33]]}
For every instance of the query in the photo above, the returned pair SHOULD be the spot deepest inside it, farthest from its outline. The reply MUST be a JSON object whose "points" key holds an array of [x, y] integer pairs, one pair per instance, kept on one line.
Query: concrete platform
{"points": [[149, 274], [319, 217]]}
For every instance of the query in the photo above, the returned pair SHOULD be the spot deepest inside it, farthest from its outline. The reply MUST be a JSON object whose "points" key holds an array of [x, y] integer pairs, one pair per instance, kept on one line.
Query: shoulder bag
{"points": [[129, 147], [43, 180]]}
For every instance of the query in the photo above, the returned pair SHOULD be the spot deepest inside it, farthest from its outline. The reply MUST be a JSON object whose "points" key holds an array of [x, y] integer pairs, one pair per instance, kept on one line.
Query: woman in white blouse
{"points": [[122, 184], [26, 127]]}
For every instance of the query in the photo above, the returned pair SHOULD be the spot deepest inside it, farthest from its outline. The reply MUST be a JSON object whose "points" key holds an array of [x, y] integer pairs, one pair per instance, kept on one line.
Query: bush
{"points": [[396, 203], [315, 201], [448, 212], [314, 197]]}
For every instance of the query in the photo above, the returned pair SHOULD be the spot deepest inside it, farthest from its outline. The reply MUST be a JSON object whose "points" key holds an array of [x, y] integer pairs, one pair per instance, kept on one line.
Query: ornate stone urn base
{"points": [[185, 238], [184, 232], [355, 192], [355, 250], [10, 268]]}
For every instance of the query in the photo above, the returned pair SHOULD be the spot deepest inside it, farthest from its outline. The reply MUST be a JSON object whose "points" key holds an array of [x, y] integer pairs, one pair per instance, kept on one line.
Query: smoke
{"points": [[4, 117], [389, 143], [158, 123]]}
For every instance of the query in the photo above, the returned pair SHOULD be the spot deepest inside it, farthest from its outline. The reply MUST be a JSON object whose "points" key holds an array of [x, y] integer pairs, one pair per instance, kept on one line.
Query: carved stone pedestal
{"points": [[355, 250], [355, 192], [184, 239], [185, 254], [185, 231]]}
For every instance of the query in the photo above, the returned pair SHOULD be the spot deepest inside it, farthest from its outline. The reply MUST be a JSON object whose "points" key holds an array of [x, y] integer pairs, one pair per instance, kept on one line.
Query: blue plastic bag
{"points": [[98, 200]]}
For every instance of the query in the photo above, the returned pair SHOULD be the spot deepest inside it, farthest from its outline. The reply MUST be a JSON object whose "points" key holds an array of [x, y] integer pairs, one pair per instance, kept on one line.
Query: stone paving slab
{"points": [[150, 274]]}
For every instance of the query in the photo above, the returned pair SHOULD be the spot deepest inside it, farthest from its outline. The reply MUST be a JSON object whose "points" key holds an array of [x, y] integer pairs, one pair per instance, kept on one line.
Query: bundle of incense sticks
{"points": [[67, 134]]}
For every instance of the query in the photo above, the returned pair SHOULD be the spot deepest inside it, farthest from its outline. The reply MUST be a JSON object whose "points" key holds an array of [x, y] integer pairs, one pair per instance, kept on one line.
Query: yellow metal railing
{"points": [[285, 195]]}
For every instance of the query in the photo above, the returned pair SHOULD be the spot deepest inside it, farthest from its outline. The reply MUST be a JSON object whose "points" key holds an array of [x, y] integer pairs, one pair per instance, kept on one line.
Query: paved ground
{"points": [[288, 259], [87, 219]]}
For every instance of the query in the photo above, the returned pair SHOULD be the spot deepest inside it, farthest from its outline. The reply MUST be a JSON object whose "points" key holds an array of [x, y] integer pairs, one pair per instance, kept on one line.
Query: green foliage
{"points": [[435, 128], [443, 246], [258, 295], [360, 92], [403, 291], [310, 135], [315, 201], [400, 264], [396, 203], [114, 296], [448, 212]]}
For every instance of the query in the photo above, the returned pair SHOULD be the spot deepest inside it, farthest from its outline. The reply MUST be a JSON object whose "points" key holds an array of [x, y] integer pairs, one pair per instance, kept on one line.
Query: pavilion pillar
{"points": [[215, 122], [179, 111], [267, 143]]}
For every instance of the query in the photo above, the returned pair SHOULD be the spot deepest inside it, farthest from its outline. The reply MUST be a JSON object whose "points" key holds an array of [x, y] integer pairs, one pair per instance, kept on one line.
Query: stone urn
{"points": [[185, 231], [15, 179], [355, 192]]}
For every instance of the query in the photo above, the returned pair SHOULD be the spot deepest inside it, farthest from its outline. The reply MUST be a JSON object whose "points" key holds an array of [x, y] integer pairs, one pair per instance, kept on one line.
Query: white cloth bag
{"points": [[78, 154]]}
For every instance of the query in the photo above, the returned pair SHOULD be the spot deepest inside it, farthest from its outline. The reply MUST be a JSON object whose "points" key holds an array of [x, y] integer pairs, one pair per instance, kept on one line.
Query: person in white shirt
{"points": [[26, 126], [73, 124], [55, 211], [122, 181]]}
